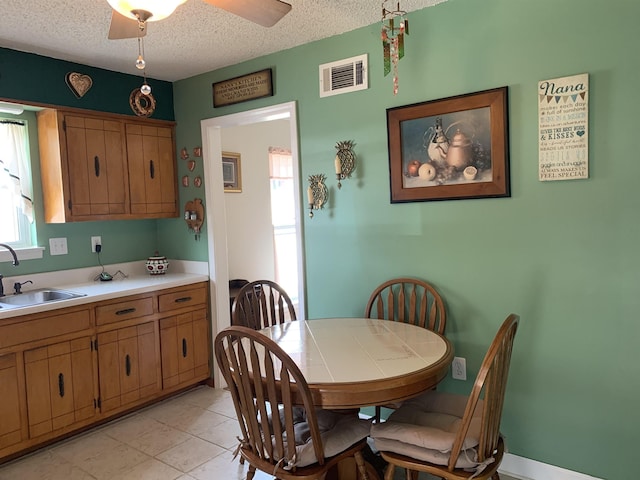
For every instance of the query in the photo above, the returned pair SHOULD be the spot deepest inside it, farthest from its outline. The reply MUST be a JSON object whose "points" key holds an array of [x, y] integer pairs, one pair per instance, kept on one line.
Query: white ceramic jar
{"points": [[157, 264]]}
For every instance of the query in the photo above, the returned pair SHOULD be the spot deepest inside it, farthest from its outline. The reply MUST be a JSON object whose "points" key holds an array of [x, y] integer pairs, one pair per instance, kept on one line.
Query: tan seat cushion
{"points": [[425, 428], [338, 431]]}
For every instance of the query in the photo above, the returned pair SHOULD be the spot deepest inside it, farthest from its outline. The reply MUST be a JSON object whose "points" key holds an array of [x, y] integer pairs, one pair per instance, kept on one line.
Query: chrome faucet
{"points": [[15, 264]]}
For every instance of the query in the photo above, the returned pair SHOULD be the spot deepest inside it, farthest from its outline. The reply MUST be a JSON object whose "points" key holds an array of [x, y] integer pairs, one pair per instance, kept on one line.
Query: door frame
{"points": [[216, 222]]}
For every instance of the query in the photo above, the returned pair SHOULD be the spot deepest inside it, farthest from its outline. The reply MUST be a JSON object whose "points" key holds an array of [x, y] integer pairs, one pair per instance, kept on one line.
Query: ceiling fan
{"points": [[129, 17]]}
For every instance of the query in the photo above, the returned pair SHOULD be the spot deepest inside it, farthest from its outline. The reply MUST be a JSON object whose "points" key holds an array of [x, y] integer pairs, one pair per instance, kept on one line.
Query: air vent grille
{"points": [[343, 76]]}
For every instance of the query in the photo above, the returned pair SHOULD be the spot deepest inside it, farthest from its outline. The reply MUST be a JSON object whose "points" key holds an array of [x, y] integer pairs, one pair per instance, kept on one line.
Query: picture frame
{"points": [[449, 149], [231, 172]]}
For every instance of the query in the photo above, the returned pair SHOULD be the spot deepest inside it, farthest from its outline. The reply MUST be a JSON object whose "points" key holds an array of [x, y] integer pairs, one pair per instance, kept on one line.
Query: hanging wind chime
{"points": [[394, 27]]}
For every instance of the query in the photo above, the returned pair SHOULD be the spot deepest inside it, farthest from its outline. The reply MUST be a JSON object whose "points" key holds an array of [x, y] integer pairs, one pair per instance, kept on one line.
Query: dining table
{"points": [[359, 362]]}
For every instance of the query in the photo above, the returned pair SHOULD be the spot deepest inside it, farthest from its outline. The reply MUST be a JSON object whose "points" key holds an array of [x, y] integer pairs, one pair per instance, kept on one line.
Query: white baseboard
{"points": [[526, 469]]}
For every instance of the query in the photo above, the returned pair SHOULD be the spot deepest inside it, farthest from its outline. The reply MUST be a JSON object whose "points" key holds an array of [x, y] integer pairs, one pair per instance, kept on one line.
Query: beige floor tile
{"points": [[147, 435], [112, 462], [213, 399], [86, 446], [152, 469], [44, 465], [191, 436], [217, 429], [185, 417], [222, 466], [190, 454]]}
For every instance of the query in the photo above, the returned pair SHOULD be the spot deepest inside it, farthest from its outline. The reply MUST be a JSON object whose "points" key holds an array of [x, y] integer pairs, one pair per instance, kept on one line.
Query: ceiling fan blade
{"points": [[263, 12], [124, 27]]}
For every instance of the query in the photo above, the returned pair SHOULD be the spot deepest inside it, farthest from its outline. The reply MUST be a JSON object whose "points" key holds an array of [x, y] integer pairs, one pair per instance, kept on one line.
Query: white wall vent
{"points": [[343, 76]]}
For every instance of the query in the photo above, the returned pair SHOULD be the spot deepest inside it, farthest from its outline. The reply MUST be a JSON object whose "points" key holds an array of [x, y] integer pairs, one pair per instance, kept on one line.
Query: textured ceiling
{"points": [[197, 38]]}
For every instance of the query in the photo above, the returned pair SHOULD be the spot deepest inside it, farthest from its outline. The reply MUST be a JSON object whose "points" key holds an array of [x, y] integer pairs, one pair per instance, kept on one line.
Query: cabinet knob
{"points": [[152, 170], [96, 165], [127, 365], [184, 347]]}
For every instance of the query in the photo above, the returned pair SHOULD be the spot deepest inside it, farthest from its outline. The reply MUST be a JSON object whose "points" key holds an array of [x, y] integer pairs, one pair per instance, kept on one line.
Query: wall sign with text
{"points": [[563, 128], [243, 88]]}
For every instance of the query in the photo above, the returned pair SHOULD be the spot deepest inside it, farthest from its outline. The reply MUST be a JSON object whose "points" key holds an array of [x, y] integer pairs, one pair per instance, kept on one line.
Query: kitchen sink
{"points": [[37, 297]]}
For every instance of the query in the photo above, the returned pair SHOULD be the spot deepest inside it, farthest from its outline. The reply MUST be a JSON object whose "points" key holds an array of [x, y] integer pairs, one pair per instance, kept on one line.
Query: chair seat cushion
{"points": [[425, 428], [338, 431]]}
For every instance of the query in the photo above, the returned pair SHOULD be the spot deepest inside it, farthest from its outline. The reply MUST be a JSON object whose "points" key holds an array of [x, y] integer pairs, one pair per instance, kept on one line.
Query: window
{"points": [[16, 205], [283, 220]]}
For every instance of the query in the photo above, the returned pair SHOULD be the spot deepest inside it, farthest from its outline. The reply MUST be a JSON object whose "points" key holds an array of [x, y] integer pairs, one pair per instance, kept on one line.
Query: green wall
{"points": [[35, 79], [563, 255]]}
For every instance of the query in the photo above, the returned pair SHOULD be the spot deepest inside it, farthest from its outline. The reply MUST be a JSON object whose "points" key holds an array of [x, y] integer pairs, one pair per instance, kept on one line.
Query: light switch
{"points": [[58, 246]]}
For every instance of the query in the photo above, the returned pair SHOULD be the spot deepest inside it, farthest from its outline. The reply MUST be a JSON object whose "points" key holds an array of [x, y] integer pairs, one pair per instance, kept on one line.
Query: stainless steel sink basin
{"points": [[37, 297]]}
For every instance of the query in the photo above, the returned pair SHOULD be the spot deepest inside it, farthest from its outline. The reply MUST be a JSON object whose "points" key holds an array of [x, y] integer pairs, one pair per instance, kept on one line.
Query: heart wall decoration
{"points": [[78, 83]]}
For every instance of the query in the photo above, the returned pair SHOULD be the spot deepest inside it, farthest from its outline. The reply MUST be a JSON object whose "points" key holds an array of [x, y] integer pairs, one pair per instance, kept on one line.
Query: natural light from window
{"points": [[16, 206], [283, 219]]}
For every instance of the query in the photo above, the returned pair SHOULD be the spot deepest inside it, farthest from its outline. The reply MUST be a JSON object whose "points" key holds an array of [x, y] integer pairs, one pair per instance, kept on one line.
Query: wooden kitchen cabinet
{"points": [[99, 166], [66, 369], [129, 364], [184, 335], [84, 167], [152, 173], [60, 385], [184, 342], [12, 420]]}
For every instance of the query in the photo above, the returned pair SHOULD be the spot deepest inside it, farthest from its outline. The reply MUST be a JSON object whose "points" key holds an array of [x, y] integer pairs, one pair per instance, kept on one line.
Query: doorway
{"points": [[216, 222]]}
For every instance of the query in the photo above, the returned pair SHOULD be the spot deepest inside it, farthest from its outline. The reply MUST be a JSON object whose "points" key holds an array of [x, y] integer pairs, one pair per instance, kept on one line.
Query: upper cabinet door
{"points": [[152, 170], [97, 165]]}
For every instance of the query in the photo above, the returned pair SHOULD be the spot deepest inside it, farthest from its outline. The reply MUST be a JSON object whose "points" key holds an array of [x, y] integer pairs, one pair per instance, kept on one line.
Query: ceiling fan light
{"points": [[159, 9]]}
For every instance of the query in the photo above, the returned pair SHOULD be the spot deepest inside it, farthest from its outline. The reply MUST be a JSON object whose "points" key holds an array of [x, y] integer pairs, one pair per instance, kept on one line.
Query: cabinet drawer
{"points": [[117, 312], [42, 327], [196, 295]]}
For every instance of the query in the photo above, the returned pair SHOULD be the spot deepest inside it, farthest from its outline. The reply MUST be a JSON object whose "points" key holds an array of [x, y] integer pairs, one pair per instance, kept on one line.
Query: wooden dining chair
{"points": [[408, 300], [282, 431], [452, 436], [260, 304]]}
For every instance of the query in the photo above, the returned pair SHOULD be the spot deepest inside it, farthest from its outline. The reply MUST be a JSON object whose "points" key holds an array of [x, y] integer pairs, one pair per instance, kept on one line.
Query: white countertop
{"points": [[184, 273]]}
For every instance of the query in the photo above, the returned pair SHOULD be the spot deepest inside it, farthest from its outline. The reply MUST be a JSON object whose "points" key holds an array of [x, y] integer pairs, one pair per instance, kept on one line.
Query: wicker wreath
{"points": [[141, 104]]}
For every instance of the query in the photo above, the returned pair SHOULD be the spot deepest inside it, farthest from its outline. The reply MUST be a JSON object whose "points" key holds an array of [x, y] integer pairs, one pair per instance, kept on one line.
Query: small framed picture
{"points": [[231, 174]]}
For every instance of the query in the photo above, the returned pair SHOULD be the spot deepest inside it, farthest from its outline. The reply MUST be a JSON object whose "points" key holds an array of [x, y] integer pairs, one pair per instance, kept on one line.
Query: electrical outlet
{"points": [[58, 246], [459, 368], [95, 241]]}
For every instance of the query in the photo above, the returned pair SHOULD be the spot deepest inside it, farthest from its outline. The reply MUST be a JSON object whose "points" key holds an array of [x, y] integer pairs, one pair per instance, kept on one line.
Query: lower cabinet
{"points": [[184, 341], [11, 422], [60, 385], [68, 369], [129, 365]]}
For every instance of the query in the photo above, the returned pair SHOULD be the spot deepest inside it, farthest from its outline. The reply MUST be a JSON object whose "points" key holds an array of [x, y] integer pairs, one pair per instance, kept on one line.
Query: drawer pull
{"points": [[182, 299], [184, 347], [152, 169], [96, 165], [127, 365], [126, 311], [61, 385]]}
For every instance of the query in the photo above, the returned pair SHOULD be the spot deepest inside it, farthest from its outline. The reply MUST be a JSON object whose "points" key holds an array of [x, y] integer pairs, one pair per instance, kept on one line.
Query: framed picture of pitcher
{"points": [[448, 149]]}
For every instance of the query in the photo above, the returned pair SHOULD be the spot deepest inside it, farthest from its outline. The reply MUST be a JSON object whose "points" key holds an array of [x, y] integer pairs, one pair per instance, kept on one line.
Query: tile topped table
{"points": [[357, 362]]}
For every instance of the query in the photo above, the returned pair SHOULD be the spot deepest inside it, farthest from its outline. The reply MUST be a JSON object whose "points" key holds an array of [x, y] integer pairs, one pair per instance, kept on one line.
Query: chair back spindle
{"points": [[408, 300], [261, 304]]}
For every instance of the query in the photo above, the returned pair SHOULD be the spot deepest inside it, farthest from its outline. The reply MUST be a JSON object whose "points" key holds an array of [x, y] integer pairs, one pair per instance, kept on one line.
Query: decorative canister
{"points": [[157, 264]]}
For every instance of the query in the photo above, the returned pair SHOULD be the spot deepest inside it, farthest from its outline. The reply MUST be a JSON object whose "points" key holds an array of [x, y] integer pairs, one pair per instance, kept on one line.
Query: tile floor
{"points": [[191, 436]]}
